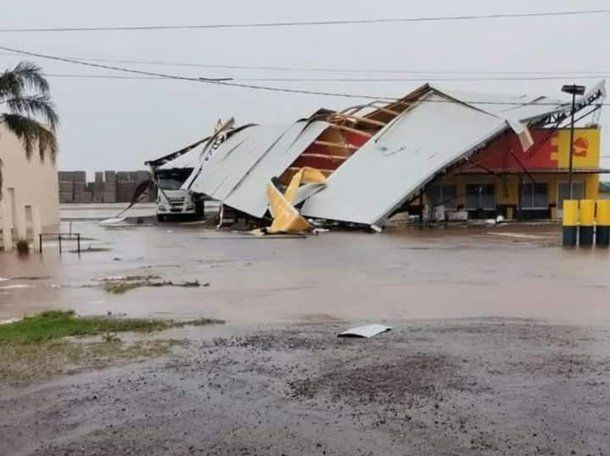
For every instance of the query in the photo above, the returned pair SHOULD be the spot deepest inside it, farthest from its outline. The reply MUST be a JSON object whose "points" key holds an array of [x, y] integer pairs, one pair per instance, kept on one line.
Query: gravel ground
{"points": [[448, 387]]}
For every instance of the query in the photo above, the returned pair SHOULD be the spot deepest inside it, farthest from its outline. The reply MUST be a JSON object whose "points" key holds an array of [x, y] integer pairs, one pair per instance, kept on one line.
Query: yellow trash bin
{"points": [[587, 223], [602, 230], [570, 222]]}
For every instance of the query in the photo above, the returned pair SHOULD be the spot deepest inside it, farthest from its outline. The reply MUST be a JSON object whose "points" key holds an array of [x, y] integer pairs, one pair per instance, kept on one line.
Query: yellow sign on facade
{"points": [[586, 148]]}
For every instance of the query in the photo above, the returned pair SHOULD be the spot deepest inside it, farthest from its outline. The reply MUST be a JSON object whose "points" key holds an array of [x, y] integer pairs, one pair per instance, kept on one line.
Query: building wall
{"points": [[507, 190], [501, 163], [550, 151], [30, 192]]}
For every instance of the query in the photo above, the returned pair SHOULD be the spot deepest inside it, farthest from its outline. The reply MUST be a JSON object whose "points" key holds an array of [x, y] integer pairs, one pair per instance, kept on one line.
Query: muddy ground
{"points": [[501, 344], [445, 387]]}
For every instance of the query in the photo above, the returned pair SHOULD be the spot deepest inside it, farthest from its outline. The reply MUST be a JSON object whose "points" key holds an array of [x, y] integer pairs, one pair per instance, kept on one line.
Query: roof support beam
{"points": [[298, 168], [332, 157], [353, 130], [333, 144], [389, 111], [358, 119]]}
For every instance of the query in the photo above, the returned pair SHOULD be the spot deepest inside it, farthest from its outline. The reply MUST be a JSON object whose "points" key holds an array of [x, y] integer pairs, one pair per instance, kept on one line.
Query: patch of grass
{"points": [[131, 278], [56, 324], [22, 363], [35, 347], [198, 322], [121, 285]]}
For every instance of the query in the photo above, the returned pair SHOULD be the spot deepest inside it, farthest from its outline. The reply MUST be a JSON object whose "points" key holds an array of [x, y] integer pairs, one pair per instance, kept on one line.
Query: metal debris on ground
{"points": [[365, 331], [112, 221]]}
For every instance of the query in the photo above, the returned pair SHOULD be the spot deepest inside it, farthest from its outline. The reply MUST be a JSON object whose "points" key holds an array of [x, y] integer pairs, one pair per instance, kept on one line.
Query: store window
{"points": [[442, 195], [480, 196], [563, 192], [534, 196]]}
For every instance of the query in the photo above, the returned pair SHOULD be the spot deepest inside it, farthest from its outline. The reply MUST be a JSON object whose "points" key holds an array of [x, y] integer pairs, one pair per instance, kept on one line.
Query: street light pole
{"points": [[571, 159], [573, 90]]}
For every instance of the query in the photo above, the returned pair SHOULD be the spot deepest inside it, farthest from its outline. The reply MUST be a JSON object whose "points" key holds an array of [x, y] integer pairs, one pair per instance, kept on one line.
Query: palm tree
{"points": [[27, 111]]}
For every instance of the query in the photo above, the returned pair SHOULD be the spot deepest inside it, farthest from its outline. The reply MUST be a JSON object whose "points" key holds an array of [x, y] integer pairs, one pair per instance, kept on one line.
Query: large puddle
{"points": [[435, 273]]}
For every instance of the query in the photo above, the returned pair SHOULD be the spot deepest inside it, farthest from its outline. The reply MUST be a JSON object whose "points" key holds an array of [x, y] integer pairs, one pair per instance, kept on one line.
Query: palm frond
{"points": [[24, 76], [35, 106], [31, 76], [32, 134], [10, 85]]}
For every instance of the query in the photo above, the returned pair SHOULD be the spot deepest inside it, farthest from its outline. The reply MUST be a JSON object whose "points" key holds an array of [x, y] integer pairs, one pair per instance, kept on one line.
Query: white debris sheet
{"points": [[238, 171], [188, 160], [365, 331], [401, 158]]}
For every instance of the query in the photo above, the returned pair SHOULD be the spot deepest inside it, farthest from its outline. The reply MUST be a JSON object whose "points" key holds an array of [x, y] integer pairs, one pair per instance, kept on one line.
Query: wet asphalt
{"points": [[459, 387]]}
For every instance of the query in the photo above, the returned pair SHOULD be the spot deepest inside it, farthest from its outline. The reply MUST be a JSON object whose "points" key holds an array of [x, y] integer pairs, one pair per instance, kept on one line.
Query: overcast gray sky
{"points": [[120, 123]]}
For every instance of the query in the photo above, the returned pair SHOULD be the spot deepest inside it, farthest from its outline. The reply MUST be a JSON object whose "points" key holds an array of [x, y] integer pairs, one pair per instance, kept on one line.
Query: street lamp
{"points": [[574, 90]]}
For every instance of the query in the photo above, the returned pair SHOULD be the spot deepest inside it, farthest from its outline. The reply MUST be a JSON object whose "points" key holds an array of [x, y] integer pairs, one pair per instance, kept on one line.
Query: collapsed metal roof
{"points": [[434, 133], [403, 145], [238, 171]]}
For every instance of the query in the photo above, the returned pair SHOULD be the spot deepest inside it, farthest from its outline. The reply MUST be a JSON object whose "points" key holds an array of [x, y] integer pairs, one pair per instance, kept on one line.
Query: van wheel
{"points": [[199, 209], [161, 218]]}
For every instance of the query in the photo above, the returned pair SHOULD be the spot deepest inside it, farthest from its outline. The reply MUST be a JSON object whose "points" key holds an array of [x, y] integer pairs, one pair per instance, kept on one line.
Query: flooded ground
{"points": [[500, 344], [506, 271], [102, 211]]}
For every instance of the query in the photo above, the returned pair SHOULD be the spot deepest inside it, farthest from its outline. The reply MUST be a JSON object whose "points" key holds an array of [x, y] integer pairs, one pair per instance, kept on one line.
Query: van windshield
{"points": [[172, 179]]}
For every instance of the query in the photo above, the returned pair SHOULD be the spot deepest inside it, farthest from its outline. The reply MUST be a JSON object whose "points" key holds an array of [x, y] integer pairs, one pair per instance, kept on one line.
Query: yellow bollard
{"points": [[602, 231], [587, 223], [570, 222]]}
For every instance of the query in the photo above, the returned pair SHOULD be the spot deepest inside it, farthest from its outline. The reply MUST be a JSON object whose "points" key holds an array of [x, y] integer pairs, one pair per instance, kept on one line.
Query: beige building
{"points": [[30, 202]]}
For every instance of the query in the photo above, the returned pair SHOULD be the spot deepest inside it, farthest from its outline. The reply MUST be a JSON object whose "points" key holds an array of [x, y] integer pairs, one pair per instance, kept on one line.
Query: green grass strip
{"points": [[56, 324]]}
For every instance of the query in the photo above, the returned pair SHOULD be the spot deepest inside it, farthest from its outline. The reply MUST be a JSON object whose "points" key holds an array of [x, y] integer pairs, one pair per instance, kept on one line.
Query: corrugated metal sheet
{"points": [[239, 170], [407, 153]]}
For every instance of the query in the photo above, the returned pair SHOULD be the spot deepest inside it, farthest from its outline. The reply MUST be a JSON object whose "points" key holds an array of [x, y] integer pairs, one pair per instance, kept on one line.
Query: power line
{"points": [[568, 73], [105, 76], [433, 79], [187, 78], [224, 82], [312, 23]]}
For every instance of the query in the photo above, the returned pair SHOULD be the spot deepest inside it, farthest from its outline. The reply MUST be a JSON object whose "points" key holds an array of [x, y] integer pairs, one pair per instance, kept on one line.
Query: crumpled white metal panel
{"points": [[233, 158], [305, 191], [365, 331], [238, 171], [393, 165], [250, 195]]}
